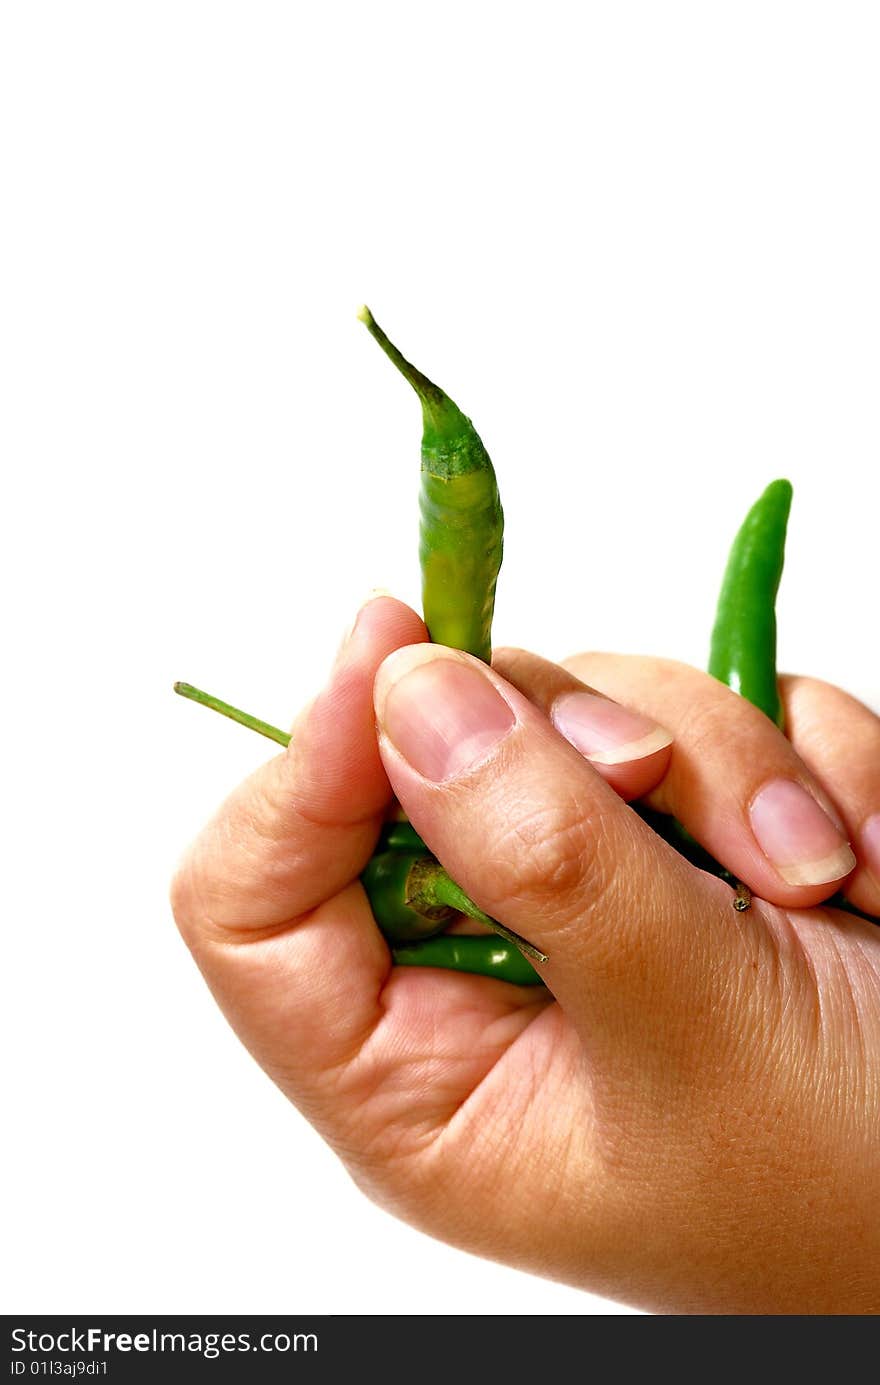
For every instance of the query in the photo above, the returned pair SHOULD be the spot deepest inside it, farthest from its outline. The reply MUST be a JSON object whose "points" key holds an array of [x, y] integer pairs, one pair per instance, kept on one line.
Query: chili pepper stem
{"points": [[273, 733], [446, 891], [428, 392]]}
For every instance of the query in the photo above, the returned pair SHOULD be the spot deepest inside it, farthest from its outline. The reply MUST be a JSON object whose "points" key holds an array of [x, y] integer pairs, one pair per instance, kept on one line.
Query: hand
{"points": [[724, 762], [690, 1125]]}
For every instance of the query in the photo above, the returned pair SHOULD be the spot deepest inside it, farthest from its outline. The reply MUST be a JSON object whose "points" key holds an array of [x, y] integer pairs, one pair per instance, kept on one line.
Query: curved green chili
{"points": [[484, 956], [743, 648], [462, 524]]}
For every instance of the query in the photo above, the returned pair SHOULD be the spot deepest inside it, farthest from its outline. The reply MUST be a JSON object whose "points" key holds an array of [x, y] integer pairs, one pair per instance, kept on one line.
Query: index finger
{"points": [[302, 826]]}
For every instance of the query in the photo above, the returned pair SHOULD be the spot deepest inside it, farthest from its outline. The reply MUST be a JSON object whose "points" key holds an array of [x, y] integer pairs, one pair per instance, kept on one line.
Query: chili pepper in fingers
{"points": [[437, 886], [393, 881], [743, 648], [412, 896], [429, 889], [461, 522], [483, 956]]}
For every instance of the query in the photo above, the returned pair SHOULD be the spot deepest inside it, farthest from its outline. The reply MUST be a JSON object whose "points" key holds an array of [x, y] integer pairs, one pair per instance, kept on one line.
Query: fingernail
{"points": [[870, 837], [605, 732], [440, 712], [798, 836]]}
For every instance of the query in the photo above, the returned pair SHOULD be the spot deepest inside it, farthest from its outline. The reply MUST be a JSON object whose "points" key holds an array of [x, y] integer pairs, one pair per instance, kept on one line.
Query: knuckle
{"points": [[547, 855]]}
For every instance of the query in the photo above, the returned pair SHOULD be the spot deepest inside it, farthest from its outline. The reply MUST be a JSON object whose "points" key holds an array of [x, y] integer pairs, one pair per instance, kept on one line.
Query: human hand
{"points": [[691, 1125], [725, 760]]}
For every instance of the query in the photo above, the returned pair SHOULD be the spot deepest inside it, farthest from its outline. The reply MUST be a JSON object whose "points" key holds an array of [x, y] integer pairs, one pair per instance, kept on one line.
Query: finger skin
{"points": [[710, 1147], [269, 903], [542, 843], [545, 683], [725, 752], [302, 826], [838, 739], [275, 869]]}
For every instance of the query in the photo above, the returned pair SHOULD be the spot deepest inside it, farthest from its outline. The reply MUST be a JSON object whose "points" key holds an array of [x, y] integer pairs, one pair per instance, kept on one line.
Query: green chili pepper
{"points": [[399, 895], [743, 647], [412, 896], [484, 956], [462, 524], [400, 835], [743, 650], [437, 886]]}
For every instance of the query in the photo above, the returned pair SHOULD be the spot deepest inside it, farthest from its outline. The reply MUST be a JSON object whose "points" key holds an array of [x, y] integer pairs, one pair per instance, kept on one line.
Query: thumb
{"points": [[542, 843]]}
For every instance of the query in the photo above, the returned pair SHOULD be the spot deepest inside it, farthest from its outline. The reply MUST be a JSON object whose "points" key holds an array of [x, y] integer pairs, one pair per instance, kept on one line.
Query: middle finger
{"points": [[734, 780]]}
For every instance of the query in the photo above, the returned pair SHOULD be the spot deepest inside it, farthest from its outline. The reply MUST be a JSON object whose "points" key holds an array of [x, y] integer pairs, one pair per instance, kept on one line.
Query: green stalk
{"points": [[439, 408], [437, 887], [234, 713]]}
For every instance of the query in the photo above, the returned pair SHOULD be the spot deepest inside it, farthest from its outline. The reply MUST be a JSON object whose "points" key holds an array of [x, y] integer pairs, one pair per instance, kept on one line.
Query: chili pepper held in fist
{"points": [[743, 647], [743, 656], [689, 1118], [481, 956], [410, 893]]}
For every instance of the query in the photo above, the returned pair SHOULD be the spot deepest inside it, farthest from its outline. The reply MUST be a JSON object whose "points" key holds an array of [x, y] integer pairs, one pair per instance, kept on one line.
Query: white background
{"points": [[638, 243]]}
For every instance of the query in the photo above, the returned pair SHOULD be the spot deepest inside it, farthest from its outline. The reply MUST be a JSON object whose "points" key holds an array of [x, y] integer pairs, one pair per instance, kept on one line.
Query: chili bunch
{"points": [[412, 897]]}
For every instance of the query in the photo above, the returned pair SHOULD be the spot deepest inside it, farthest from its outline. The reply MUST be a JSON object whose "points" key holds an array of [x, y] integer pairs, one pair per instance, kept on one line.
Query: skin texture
{"points": [[725, 751], [689, 1119]]}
